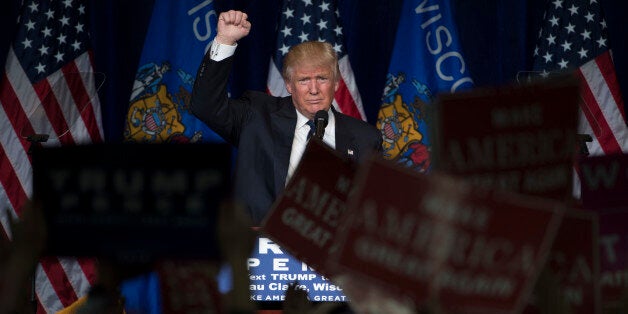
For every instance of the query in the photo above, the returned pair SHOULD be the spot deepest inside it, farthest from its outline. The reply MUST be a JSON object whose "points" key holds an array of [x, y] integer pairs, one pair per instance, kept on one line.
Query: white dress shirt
{"points": [[300, 139], [218, 52]]}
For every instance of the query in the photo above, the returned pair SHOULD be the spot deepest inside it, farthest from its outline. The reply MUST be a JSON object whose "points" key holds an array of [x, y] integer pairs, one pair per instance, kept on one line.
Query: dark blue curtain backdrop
{"points": [[497, 38]]}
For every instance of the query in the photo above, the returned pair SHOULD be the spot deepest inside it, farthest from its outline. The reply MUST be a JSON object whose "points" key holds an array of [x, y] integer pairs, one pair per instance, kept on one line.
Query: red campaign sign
{"points": [[517, 138], [304, 218], [604, 181], [574, 263], [613, 258], [604, 188], [431, 236]]}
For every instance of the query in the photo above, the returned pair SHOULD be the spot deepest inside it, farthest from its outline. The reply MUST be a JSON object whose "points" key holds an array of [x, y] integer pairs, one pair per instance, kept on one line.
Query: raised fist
{"points": [[232, 26]]}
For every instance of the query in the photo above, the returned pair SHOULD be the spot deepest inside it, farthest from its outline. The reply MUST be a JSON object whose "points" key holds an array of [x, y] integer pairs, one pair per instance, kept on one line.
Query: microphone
{"points": [[320, 122], [37, 138]]}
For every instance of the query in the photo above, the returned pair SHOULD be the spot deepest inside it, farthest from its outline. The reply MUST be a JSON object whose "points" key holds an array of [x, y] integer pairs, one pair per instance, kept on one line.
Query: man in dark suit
{"points": [[271, 132]]}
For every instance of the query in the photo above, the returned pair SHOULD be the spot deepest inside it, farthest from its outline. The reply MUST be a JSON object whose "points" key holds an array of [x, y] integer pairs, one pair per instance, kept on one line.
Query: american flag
{"points": [[306, 20], [574, 37], [49, 87]]}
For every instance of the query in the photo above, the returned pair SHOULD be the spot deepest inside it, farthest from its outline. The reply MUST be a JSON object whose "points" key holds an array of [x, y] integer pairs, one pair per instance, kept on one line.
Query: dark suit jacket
{"points": [[262, 127]]}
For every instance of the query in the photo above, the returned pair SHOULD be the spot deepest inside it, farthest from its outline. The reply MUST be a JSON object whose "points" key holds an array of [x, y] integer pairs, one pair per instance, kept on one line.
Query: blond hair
{"points": [[312, 53]]}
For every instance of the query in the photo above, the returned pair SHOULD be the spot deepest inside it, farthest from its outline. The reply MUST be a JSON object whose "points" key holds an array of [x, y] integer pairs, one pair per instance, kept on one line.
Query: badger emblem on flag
{"points": [[400, 124], [148, 77]]}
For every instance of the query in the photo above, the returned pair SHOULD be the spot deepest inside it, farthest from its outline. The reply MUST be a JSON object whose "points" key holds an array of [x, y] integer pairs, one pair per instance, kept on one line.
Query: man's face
{"points": [[312, 89]]}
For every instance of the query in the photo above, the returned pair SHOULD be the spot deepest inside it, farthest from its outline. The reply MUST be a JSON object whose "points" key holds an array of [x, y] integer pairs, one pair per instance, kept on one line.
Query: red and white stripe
{"points": [[346, 99], [601, 110], [66, 107], [602, 107]]}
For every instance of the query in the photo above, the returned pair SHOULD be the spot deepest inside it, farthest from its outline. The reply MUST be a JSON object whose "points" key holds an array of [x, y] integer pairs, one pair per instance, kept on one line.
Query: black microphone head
{"points": [[321, 116], [320, 121]]}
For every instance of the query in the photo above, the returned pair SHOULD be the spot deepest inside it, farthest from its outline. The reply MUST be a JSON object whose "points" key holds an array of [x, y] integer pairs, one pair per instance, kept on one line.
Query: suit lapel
{"points": [[344, 138], [283, 124]]}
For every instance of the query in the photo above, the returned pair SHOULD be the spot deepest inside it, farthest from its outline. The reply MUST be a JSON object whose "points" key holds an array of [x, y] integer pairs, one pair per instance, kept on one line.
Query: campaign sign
{"points": [[517, 138], [433, 237], [573, 263], [304, 218], [604, 181], [132, 202], [613, 259], [272, 269], [604, 190]]}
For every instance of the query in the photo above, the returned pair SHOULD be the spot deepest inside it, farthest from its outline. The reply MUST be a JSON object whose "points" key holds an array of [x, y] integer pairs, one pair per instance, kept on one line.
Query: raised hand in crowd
{"points": [[549, 297], [296, 302], [18, 259], [237, 240], [191, 286]]}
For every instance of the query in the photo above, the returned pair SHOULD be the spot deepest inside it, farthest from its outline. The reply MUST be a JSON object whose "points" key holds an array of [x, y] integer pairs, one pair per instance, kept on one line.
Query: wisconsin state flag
{"points": [[178, 36], [426, 60]]}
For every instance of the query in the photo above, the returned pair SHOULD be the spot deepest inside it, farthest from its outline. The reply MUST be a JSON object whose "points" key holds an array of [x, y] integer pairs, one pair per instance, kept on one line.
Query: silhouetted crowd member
{"points": [[18, 259], [297, 302], [237, 240]]}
